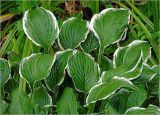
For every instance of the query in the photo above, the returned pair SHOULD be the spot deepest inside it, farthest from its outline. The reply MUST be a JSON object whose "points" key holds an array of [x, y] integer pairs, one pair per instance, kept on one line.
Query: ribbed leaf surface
{"points": [[72, 33], [83, 71], [137, 97], [91, 43], [130, 71], [109, 25], [36, 67], [4, 71], [40, 26], [104, 90], [130, 53], [58, 69], [67, 104], [20, 103], [151, 110], [41, 97]]}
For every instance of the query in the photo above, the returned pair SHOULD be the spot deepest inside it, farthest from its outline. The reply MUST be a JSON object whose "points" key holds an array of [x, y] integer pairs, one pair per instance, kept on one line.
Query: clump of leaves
{"points": [[80, 79]]}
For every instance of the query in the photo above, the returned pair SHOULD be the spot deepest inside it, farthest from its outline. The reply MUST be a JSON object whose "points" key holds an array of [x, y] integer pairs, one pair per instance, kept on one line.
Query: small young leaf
{"points": [[68, 104], [105, 90], [91, 43], [56, 76], [41, 97], [151, 110], [72, 33], [40, 26], [4, 71], [83, 71], [109, 25], [35, 67], [20, 103]]}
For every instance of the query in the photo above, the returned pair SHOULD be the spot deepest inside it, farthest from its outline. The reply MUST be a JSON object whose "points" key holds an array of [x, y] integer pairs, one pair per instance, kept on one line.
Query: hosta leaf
{"points": [[137, 97], [109, 25], [151, 110], [56, 76], [41, 97], [83, 71], [35, 67], [91, 43], [129, 71], [20, 103], [3, 107], [68, 104], [40, 26], [105, 90], [146, 75], [130, 53], [107, 64], [119, 100], [4, 71], [72, 33]]}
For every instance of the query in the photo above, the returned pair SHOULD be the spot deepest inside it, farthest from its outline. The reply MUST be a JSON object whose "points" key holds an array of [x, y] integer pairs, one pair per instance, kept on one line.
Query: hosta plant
{"points": [[79, 77]]}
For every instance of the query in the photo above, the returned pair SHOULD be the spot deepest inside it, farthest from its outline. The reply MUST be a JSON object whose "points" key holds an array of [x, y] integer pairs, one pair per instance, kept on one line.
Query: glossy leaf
{"points": [[40, 26], [67, 104], [36, 67], [20, 103], [137, 97], [105, 90], [91, 43], [41, 97], [109, 25], [72, 33], [151, 110], [4, 71], [57, 73], [83, 71]]}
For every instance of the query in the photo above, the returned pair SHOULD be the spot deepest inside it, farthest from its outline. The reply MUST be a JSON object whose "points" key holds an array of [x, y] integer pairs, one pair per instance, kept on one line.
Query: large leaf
{"points": [[83, 71], [3, 107], [109, 25], [130, 53], [137, 97], [91, 43], [41, 97], [130, 71], [151, 110], [67, 104], [105, 90], [4, 71], [35, 67], [72, 33], [20, 103], [40, 26], [57, 74]]}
